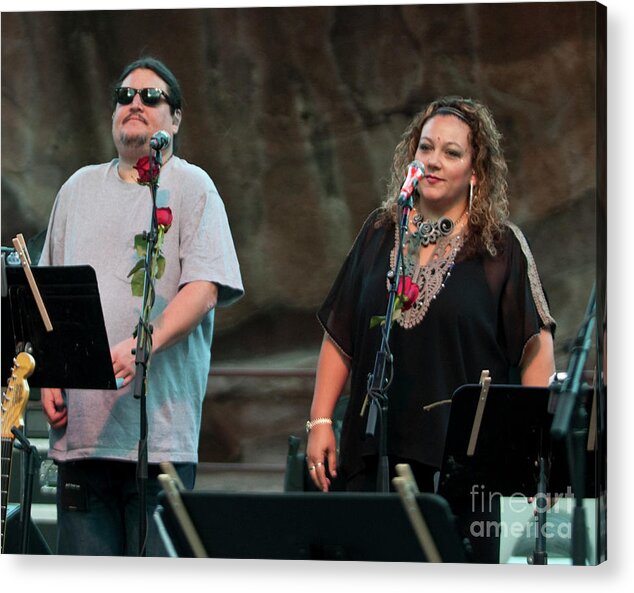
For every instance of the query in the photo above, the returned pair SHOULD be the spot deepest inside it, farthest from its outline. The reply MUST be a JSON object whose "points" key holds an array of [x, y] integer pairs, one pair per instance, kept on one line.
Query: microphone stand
{"points": [[571, 422], [143, 351], [31, 466], [540, 556], [378, 382]]}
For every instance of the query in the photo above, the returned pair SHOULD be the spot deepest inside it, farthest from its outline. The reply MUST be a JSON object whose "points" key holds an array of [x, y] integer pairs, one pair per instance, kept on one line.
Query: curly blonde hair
{"points": [[489, 211]]}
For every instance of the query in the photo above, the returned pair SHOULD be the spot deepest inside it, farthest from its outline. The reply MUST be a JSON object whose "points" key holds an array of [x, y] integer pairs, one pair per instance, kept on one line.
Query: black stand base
{"points": [[15, 532]]}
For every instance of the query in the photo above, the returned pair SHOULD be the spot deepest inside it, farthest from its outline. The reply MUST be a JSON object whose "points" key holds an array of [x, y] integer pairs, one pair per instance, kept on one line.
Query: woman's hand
{"points": [[54, 407], [332, 373], [321, 447]]}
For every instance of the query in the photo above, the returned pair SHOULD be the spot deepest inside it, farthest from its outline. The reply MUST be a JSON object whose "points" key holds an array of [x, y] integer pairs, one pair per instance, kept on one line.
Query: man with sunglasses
{"points": [[95, 434]]}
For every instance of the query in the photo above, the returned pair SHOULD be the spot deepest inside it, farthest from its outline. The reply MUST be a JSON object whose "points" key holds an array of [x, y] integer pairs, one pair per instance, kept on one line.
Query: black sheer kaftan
{"points": [[481, 319]]}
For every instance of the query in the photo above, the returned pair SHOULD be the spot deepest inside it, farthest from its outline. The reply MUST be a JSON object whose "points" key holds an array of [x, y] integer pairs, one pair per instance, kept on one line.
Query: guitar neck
{"points": [[7, 452]]}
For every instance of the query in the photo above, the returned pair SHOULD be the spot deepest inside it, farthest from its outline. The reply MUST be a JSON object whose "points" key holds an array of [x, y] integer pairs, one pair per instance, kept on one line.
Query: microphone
{"points": [[415, 172], [160, 140]]}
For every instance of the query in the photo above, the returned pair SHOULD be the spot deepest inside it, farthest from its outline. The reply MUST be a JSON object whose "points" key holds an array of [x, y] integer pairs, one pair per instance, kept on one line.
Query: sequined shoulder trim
{"points": [[533, 277]]}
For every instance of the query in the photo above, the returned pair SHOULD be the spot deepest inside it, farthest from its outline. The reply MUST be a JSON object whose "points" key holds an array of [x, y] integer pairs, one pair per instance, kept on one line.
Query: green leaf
{"points": [[137, 283], [160, 238], [138, 266], [160, 266], [377, 320], [140, 245]]}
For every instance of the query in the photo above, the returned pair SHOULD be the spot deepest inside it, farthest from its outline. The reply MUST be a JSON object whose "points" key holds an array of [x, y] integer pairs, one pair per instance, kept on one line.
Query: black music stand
{"points": [[75, 354], [498, 441], [308, 526], [511, 437]]}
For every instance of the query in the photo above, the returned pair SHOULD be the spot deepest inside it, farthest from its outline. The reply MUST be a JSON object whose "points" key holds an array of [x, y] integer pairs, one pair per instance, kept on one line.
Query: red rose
{"points": [[406, 295], [164, 217], [409, 290], [143, 168]]}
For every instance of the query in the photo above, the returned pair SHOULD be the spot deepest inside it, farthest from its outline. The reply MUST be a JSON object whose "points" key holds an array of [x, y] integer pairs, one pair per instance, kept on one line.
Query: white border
{"points": [[57, 573]]}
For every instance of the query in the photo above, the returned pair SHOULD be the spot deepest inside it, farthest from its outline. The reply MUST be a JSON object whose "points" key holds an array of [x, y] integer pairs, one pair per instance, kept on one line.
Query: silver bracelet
{"points": [[316, 421]]}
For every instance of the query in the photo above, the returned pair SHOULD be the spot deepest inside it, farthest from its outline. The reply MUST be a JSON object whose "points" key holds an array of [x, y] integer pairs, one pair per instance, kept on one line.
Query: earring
{"points": [[470, 195]]}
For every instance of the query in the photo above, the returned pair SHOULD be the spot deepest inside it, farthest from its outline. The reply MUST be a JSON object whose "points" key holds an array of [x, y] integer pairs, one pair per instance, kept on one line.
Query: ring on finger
{"points": [[311, 468], [318, 464]]}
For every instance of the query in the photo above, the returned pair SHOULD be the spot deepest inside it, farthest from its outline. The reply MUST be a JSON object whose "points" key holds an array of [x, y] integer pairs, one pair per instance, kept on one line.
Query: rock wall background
{"points": [[295, 113]]}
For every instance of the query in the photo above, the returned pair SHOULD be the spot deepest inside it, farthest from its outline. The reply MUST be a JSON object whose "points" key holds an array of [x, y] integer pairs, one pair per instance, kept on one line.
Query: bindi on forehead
{"points": [[446, 139], [446, 135]]}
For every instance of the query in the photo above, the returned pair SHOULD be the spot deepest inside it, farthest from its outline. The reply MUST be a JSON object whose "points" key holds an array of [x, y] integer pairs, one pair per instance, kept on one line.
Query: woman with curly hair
{"points": [[488, 214], [470, 299]]}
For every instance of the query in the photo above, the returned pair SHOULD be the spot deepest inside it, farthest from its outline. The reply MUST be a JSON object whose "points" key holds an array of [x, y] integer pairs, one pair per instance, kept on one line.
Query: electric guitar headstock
{"points": [[14, 401], [16, 396]]}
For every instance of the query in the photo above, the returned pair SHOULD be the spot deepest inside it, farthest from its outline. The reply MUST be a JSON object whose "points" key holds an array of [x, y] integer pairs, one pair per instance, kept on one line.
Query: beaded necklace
{"points": [[432, 276]]}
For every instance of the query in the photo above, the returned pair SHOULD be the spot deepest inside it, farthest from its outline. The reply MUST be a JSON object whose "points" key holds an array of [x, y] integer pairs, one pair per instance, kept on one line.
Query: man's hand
{"points": [[54, 407], [123, 361]]}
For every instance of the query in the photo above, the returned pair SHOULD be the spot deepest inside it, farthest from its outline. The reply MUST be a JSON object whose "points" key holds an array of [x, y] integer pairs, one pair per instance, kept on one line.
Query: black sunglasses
{"points": [[150, 96]]}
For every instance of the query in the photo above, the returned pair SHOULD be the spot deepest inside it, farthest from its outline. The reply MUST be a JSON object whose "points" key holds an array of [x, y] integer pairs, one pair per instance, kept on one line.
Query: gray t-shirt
{"points": [[94, 220]]}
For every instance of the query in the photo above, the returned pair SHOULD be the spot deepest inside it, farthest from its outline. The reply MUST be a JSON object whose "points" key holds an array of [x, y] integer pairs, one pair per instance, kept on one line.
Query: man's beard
{"points": [[133, 140]]}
